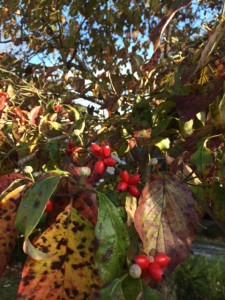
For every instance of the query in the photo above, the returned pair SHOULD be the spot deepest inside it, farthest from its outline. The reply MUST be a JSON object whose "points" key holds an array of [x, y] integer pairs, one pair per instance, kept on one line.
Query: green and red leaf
{"points": [[166, 219]]}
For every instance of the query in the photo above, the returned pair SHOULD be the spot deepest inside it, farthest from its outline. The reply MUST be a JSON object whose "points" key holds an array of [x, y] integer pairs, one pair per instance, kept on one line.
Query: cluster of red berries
{"points": [[105, 160], [145, 266], [129, 182], [49, 206]]}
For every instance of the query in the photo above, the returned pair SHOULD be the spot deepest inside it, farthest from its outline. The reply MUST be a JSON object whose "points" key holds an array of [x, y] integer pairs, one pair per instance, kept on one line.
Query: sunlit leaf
{"points": [[8, 234], [70, 273], [221, 110], [166, 218], [159, 30], [33, 252], [55, 125], [112, 238], [213, 40], [33, 204], [163, 144]]}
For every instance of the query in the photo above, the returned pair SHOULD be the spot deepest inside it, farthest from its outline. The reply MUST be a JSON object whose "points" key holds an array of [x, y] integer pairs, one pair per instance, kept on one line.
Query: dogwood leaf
{"points": [[166, 218]]}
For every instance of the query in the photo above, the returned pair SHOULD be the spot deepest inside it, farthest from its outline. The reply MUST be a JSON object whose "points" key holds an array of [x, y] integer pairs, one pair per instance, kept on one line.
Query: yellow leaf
{"points": [[71, 272]]}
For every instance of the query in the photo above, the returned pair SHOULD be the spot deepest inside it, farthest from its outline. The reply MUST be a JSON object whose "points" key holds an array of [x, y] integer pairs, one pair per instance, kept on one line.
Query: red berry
{"points": [[134, 179], [134, 191], [70, 150], [145, 274], [124, 176], [155, 271], [161, 259], [22, 120], [110, 161], [17, 112], [57, 107], [4, 94], [122, 186], [71, 144], [49, 206], [96, 150], [99, 167], [106, 151], [142, 260]]}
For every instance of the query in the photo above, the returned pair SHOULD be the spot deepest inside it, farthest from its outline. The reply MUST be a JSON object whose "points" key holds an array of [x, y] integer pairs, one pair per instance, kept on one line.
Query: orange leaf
{"points": [[8, 209], [70, 273]]}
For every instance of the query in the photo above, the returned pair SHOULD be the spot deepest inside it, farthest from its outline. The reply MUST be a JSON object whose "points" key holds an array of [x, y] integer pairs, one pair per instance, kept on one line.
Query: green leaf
{"points": [[54, 169], [218, 203], [33, 204], [112, 238], [149, 293], [112, 291], [202, 157], [132, 288], [125, 288]]}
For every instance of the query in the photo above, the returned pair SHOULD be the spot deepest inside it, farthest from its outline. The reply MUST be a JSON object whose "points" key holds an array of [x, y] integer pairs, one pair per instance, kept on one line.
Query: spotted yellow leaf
{"points": [[70, 273]]}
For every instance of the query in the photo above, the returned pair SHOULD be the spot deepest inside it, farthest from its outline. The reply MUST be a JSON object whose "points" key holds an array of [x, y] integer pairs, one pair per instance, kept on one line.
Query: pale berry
{"points": [[135, 271]]}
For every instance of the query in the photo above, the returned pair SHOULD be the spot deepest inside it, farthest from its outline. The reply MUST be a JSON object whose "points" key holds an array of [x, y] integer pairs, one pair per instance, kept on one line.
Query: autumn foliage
{"points": [[111, 143]]}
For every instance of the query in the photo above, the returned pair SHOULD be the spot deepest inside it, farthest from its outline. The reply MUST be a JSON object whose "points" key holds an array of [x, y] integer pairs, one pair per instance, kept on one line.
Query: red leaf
{"points": [[7, 180], [166, 218], [189, 105]]}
